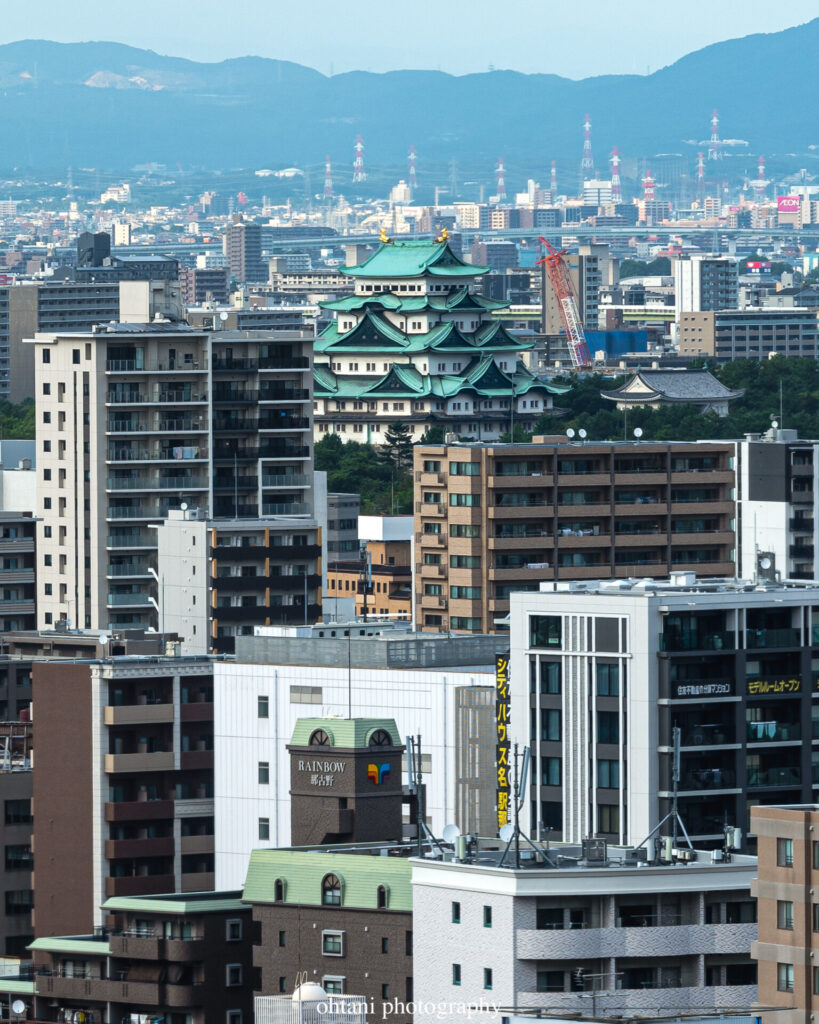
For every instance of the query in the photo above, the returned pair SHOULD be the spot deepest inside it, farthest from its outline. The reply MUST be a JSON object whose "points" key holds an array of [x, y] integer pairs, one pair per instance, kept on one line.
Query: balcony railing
{"points": [[129, 599], [295, 480], [292, 508], [711, 641], [760, 638], [773, 732], [787, 776]]}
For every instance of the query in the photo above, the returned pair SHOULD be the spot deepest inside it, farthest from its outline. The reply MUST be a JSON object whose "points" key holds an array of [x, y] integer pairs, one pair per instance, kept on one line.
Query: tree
{"points": [[397, 447], [433, 435]]}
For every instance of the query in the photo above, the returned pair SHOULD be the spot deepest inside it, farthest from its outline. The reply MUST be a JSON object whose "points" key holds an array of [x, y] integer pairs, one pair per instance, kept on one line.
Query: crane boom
{"points": [[562, 285]]}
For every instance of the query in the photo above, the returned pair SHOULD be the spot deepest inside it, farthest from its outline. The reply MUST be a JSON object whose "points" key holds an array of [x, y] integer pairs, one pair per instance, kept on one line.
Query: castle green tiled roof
{"points": [[303, 870], [414, 258], [460, 299], [375, 333], [346, 733]]}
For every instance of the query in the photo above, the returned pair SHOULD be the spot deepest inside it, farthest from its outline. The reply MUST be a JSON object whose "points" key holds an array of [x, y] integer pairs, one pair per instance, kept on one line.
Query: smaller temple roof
{"points": [[672, 386], [413, 258]]}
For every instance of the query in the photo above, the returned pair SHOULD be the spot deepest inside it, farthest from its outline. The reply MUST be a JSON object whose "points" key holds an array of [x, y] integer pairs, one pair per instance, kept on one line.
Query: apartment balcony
{"points": [[773, 732], [294, 480], [198, 881], [177, 367], [153, 761], [270, 424], [178, 454], [530, 571], [800, 524], [431, 540], [155, 398], [139, 885], [238, 396], [698, 478], [714, 640], [196, 844], [642, 478], [642, 540], [16, 576], [713, 506], [597, 478], [719, 539], [134, 849], [588, 539], [142, 946], [196, 760], [588, 510], [429, 479], [650, 1001], [430, 571], [671, 941], [290, 508], [128, 601], [20, 546], [432, 602], [284, 395], [757, 639], [222, 363], [239, 584], [152, 485], [430, 508], [130, 571], [196, 711], [138, 810], [531, 541], [801, 551], [774, 777], [133, 541], [138, 714], [274, 362], [516, 511]]}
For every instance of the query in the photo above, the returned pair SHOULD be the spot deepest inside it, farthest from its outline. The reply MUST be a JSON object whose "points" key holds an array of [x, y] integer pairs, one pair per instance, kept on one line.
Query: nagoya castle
{"points": [[415, 344]]}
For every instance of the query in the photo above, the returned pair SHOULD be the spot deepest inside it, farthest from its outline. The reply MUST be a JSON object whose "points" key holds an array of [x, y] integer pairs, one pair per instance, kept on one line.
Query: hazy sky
{"points": [[575, 39]]}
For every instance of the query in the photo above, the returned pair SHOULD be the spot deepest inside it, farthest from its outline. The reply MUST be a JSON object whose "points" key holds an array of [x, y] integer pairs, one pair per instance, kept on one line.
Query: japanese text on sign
{"points": [[502, 743]]}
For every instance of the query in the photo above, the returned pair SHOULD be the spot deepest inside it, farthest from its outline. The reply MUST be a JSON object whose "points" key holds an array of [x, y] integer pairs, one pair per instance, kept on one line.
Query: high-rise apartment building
{"points": [[204, 284], [135, 419], [602, 673], [124, 784], [705, 283], [490, 519], [785, 889], [242, 246]]}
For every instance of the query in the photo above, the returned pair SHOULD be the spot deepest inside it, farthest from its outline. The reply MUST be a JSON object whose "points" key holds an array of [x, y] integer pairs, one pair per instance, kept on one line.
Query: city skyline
{"points": [[342, 40]]}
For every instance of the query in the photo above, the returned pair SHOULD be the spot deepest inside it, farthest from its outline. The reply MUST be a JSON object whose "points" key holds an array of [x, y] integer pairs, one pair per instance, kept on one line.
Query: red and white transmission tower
{"points": [[701, 176], [561, 283], [328, 178], [616, 187], [553, 180], [761, 182], [359, 174], [413, 180], [587, 162], [648, 186], [500, 170], [714, 145]]}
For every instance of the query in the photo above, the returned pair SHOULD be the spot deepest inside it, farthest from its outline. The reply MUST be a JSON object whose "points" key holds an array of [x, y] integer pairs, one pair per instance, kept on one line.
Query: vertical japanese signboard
{"points": [[502, 742]]}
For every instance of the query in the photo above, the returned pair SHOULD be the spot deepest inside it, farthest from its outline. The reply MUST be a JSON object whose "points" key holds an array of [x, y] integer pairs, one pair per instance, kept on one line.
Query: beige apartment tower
{"points": [[492, 518]]}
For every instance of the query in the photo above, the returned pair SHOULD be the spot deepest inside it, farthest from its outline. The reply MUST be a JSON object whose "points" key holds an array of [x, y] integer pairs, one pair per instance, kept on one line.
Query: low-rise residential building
{"points": [[582, 927]]}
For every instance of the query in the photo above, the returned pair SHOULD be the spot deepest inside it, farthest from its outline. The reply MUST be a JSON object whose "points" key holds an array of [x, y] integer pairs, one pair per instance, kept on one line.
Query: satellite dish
{"points": [[184, 506], [451, 834], [570, 433], [506, 832], [638, 432], [18, 1006], [765, 563], [582, 434], [104, 638], [223, 316], [775, 424]]}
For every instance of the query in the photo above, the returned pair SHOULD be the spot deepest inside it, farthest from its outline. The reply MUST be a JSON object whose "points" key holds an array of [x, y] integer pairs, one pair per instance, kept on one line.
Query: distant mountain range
{"points": [[111, 106]]}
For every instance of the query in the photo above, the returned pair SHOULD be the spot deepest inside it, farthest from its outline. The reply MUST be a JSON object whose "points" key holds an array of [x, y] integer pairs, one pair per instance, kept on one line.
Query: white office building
{"points": [[438, 687]]}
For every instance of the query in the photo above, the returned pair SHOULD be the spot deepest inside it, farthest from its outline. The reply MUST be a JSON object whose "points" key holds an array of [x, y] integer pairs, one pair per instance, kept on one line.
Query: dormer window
{"points": [[319, 738]]}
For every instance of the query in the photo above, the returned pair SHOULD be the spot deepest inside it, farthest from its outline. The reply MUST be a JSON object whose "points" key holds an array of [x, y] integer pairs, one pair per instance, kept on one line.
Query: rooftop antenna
{"points": [[359, 174], [616, 187], [416, 788], [512, 833], [413, 180], [328, 178], [500, 170], [674, 814], [587, 161]]}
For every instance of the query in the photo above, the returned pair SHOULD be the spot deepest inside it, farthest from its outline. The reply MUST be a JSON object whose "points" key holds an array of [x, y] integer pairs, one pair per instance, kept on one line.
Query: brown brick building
{"points": [[788, 912], [492, 518]]}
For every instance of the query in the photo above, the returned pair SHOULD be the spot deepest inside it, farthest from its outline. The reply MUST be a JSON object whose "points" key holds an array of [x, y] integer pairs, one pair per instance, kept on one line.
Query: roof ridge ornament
{"points": [[444, 235], [383, 237]]}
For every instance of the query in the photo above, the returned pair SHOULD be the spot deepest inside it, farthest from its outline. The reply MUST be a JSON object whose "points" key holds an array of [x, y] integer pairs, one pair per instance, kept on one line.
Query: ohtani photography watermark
{"points": [[396, 1008]]}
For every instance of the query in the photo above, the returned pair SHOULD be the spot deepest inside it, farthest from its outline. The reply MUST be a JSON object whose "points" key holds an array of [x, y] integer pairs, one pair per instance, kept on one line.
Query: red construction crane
{"points": [[558, 273]]}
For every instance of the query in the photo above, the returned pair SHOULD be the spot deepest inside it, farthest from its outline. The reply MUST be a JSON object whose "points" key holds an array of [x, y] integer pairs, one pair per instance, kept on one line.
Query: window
{"points": [[784, 977], [608, 727], [550, 724], [608, 680], [816, 855], [233, 930], [784, 915], [382, 897], [544, 631], [432, 466], [18, 812], [608, 818], [282, 984], [332, 943], [550, 981], [264, 828], [456, 974], [385, 991], [487, 977], [75, 356], [233, 974], [385, 945], [46, 416], [282, 938], [608, 774], [465, 500], [784, 853], [233, 1017], [331, 891], [464, 530], [464, 561], [408, 943], [262, 707], [456, 913], [550, 771], [264, 773], [465, 593], [487, 917], [278, 890], [46, 356], [332, 985], [816, 981], [465, 468], [18, 857]]}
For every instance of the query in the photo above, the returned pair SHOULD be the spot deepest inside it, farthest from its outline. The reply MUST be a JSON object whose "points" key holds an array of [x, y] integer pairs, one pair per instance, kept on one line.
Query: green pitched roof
{"points": [[460, 299], [302, 870], [178, 903], [413, 259], [344, 733], [90, 945]]}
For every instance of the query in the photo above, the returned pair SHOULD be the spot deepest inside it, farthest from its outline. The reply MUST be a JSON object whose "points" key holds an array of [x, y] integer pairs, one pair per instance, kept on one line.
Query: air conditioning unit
{"points": [[595, 851]]}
